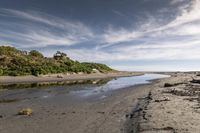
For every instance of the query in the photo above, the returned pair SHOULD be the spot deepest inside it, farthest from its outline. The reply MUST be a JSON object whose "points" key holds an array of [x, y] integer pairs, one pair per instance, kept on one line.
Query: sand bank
{"points": [[63, 77]]}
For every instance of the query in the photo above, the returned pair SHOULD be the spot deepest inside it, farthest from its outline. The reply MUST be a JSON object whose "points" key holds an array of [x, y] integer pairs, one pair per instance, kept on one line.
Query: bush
{"points": [[13, 73], [35, 71], [14, 62], [36, 53], [1, 72]]}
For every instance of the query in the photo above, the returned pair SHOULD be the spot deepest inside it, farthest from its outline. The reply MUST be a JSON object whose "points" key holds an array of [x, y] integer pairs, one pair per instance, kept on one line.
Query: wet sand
{"points": [[106, 115]]}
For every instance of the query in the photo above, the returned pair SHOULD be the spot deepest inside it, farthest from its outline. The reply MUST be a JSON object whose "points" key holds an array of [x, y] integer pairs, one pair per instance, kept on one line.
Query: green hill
{"points": [[14, 62]]}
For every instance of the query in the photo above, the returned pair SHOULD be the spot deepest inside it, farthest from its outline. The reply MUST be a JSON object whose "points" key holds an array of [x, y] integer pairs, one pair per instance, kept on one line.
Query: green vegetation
{"points": [[15, 62]]}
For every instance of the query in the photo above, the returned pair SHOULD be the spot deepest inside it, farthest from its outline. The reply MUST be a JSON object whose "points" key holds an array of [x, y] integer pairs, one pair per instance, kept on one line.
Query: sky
{"points": [[135, 35]]}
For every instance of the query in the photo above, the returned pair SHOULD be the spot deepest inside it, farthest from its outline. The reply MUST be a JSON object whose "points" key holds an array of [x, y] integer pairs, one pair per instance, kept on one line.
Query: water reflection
{"points": [[64, 91], [45, 90], [47, 84], [119, 83]]}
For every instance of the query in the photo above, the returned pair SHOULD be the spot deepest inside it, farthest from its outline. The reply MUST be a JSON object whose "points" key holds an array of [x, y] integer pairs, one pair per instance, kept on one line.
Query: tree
{"points": [[36, 53]]}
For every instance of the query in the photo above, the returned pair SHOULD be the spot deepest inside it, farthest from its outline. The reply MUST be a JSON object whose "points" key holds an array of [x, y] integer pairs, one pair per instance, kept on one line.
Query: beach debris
{"points": [[171, 84], [164, 129], [149, 97], [168, 85], [101, 112], [198, 75], [63, 113], [73, 112], [9, 100], [162, 100], [26, 111], [180, 92]]}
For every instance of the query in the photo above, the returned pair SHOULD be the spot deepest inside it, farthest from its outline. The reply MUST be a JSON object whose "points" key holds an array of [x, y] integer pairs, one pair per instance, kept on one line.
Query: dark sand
{"points": [[106, 115]]}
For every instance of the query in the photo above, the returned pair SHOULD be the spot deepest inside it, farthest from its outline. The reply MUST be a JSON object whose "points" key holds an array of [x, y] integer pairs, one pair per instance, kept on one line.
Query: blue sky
{"points": [[141, 35]]}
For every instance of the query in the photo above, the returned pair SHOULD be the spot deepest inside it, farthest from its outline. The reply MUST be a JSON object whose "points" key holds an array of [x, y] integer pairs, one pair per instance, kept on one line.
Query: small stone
{"points": [[26, 111], [101, 112]]}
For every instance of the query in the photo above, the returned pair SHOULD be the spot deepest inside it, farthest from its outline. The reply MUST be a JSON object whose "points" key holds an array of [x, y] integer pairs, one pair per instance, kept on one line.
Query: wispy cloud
{"points": [[56, 31], [178, 38]]}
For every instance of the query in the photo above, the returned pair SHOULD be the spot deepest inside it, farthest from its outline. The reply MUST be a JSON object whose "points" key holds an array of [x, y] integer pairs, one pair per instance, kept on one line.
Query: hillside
{"points": [[14, 62]]}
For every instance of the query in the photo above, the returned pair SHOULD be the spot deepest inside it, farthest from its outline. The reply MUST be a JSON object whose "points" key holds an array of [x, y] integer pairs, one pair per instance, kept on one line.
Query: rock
{"points": [[26, 111], [195, 81], [168, 85], [60, 76], [95, 71], [172, 84], [127, 115], [101, 112], [162, 100], [63, 113], [80, 73]]}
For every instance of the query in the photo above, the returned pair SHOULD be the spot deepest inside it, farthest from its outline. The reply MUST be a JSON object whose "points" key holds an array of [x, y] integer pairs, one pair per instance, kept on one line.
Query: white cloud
{"points": [[190, 13], [158, 67], [160, 42], [32, 34], [73, 26], [173, 2]]}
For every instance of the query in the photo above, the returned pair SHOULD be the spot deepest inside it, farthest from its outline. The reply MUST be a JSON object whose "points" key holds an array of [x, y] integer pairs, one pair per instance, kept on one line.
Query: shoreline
{"points": [[66, 114], [173, 105], [63, 77]]}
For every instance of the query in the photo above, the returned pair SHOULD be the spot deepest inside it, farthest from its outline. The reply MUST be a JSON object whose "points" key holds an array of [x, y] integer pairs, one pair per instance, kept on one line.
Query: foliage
{"points": [[60, 55], [36, 54], [14, 62], [1, 71], [101, 67], [6, 50]]}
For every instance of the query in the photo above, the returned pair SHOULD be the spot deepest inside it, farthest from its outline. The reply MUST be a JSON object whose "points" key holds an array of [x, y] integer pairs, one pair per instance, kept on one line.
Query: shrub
{"points": [[13, 73], [14, 62], [36, 53], [1, 72]]}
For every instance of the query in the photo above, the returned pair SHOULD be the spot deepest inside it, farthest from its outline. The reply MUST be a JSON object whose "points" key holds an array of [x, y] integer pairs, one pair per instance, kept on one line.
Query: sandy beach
{"points": [[93, 115], [169, 105]]}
